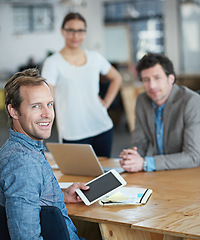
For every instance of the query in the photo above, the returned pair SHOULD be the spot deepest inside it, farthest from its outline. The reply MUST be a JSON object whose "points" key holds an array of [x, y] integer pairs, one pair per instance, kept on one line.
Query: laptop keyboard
{"points": [[119, 169]]}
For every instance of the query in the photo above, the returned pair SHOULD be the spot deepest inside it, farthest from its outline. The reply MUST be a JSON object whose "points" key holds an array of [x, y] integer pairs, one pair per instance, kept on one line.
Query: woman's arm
{"points": [[115, 82]]}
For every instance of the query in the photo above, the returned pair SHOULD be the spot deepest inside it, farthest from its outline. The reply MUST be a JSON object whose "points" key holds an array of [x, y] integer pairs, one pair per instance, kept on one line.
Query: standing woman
{"points": [[74, 75]]}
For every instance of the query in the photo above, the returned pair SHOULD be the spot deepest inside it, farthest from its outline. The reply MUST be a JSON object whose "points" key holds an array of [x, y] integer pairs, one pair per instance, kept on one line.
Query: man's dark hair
{"points": [[151, 59]]}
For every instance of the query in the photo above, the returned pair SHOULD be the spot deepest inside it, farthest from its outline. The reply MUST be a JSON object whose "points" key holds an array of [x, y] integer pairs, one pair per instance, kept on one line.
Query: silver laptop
{"points": [[77, 159]]}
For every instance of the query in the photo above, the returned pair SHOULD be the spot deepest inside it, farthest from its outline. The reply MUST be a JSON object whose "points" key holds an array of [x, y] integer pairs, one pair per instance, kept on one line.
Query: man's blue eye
{"points": [[50, 104]]}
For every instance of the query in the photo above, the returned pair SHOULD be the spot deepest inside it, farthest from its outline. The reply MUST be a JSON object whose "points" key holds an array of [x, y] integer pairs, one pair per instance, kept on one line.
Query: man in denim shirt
{"points": [[167, 127], [26, 178]]}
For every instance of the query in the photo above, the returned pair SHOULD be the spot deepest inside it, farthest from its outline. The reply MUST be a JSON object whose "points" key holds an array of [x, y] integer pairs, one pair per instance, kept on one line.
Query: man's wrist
{"points": [[150, 164], [145, 165]]}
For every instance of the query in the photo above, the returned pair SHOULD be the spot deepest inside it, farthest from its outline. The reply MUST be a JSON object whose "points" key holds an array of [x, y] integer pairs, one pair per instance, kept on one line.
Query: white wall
{"points": [[16, 49], [95, 25], [171, 26]]}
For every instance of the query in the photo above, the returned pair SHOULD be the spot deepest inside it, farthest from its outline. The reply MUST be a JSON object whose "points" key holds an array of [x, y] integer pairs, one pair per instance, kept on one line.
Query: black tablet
{"points": [[102, 186]]}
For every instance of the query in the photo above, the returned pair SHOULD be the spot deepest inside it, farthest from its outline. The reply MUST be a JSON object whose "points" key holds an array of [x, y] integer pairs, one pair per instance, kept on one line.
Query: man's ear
{"points": [[13, 112], [171, 78]]}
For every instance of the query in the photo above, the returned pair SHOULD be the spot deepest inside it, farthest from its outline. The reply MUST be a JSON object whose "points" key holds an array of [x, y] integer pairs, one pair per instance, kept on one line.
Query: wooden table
{"points": [[171, 213]]}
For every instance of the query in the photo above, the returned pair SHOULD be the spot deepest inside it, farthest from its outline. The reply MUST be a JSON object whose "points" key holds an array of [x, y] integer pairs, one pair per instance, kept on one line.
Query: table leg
{"points": [[120, 232], [88, 230], [105, 231], [168, 237]]}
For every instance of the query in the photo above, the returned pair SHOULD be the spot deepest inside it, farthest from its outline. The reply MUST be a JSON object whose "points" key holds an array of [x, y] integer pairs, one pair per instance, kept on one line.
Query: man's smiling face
{"points": [[36, 114]]}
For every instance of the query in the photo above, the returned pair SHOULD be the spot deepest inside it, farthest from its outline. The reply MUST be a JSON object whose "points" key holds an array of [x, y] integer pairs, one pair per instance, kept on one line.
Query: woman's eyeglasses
{"points": [[72, 31]]}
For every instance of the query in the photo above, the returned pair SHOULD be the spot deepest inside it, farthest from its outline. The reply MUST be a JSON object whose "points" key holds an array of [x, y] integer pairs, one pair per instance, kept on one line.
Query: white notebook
{"points": [[128, 196]]}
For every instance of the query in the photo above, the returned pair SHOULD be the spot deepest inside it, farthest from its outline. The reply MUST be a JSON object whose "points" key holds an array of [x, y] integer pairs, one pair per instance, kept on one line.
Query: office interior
{"points": [[121, 30]]}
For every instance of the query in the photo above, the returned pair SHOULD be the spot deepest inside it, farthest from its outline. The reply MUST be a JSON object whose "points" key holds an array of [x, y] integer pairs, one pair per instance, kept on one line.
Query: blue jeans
{"points": [[102, 143]]}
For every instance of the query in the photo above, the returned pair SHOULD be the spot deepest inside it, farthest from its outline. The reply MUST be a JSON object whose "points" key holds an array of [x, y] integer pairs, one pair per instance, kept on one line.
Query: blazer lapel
{"points": [[151, 120], [168, 111]]}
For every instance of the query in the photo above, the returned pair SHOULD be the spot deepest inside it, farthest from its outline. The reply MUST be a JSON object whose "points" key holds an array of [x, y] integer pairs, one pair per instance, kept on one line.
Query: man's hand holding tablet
{"points": [[101, 187]]}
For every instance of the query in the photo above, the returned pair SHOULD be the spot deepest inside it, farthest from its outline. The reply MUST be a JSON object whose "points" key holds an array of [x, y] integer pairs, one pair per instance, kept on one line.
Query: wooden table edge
{"points": [[164, 232]]}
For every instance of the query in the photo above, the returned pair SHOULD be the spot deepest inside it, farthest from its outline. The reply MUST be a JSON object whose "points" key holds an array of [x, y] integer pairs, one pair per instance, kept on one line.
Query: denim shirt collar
{"points": [[22, 138]]}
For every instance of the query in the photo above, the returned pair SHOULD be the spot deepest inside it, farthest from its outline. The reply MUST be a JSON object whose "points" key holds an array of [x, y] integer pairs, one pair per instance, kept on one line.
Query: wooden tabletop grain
{"points": [[173, 208]]}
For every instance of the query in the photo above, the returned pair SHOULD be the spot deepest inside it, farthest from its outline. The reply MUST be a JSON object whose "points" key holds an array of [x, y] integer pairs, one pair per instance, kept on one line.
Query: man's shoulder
{"points": [[143, 97], [16, 151], [53, 58], [20, 162], [10, 147], [184, 93]]}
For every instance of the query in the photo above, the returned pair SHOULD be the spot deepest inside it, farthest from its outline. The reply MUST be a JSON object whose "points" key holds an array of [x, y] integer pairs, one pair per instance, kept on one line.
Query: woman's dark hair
{"points": [[151, 59], [72, 16]]}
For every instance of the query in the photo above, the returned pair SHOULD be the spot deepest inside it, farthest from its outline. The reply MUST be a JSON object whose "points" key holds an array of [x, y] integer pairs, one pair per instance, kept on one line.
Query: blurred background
{"points": [[122, 30]]}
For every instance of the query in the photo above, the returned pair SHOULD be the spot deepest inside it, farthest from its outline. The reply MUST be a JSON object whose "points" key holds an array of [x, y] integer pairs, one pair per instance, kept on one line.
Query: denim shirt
{"points": [[27, 182]]}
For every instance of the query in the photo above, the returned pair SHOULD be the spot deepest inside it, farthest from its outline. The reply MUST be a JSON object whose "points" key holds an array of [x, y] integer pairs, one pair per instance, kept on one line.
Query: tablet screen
{"points": [[101, 186]]}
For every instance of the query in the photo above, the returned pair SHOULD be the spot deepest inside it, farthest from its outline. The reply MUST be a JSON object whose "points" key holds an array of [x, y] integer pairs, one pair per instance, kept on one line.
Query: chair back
{"points": [[53, 225], [4, 234]]}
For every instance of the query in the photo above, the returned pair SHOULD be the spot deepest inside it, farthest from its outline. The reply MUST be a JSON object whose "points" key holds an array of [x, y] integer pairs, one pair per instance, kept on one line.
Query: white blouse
{"points": [[79, 112]]}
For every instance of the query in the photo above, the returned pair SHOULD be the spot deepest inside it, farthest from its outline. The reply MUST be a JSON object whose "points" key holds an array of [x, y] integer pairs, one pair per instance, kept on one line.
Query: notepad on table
{"points": [[128, 196]]}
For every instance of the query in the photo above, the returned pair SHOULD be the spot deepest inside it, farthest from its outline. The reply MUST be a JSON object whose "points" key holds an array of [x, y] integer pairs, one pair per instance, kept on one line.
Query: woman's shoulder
{"points": [[92, 54], [54, 57]]}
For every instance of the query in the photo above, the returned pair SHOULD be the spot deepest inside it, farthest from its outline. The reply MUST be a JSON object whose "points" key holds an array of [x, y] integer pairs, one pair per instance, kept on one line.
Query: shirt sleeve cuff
{"points": [[150, 164]]}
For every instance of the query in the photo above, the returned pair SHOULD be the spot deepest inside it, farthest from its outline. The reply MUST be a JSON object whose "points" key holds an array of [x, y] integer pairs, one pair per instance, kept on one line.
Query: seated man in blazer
{"points": [[167, 127]]}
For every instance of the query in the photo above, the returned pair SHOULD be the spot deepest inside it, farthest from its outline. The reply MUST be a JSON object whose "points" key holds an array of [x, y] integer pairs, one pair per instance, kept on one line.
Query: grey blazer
{"points": [[181, 118]]}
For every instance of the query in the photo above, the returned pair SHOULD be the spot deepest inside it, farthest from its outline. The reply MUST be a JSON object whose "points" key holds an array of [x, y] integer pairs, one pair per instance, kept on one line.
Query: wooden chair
{"points": [[129, 95]]}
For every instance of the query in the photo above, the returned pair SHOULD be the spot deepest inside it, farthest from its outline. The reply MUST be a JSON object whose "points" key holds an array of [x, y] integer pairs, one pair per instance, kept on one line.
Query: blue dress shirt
{"points": [[26, 183], [159, 136]]}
